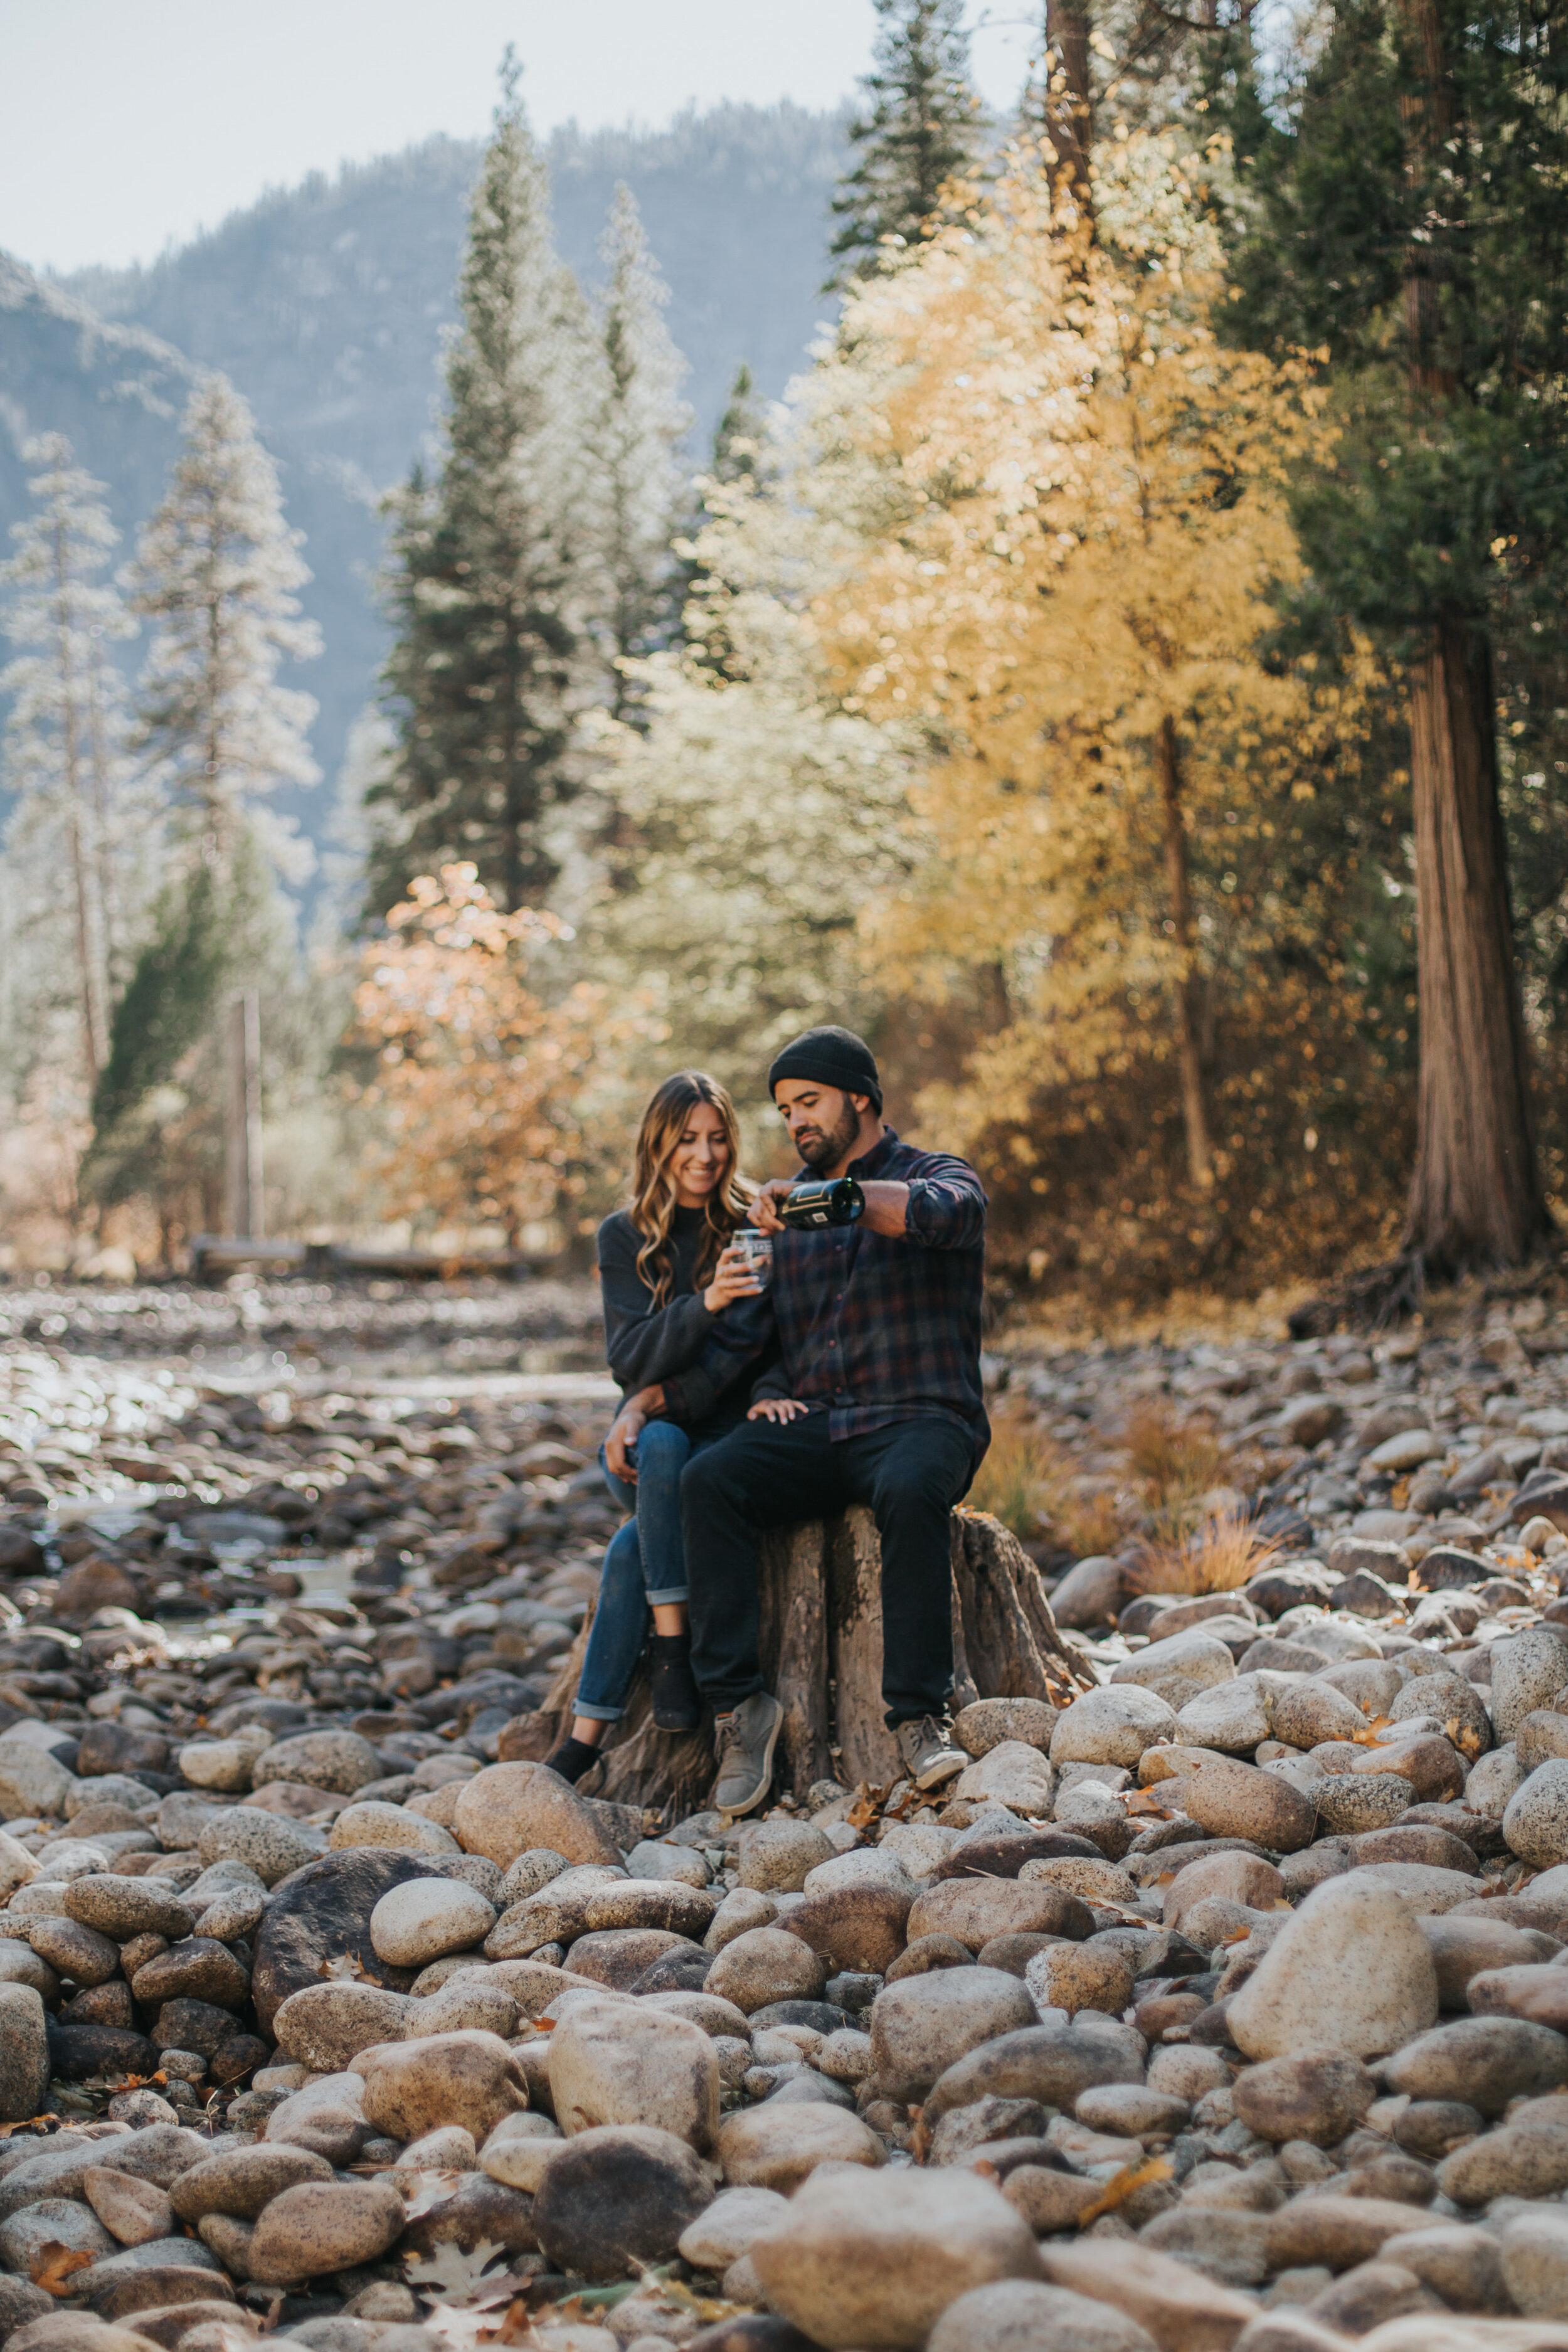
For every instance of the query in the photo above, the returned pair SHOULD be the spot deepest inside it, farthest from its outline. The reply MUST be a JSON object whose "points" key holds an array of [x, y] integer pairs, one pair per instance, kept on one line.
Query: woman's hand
{"points": [[732, 1279], [624, 1430], [777, 1409]]}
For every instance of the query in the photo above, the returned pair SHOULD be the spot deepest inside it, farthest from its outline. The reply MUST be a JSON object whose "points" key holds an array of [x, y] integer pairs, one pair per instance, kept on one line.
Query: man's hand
{"points": [[732, 1279], [762, 1213], [779, 1409], [627, 1426]]}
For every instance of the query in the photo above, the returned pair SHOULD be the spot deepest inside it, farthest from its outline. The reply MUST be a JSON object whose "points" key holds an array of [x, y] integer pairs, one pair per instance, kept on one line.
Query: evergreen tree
{"points": [[1409, 217], [921, 130], [215, 571], [739, 434], [76, 839], [495, 565], [641, 425]]}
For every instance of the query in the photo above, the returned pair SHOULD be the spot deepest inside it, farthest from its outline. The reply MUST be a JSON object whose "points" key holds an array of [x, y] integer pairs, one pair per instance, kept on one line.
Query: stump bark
{"points": [[821, 1616]]}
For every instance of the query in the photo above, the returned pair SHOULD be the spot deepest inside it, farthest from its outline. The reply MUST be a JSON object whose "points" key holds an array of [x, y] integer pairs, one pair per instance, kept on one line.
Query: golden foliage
{"points": [[1034, 1486], [1218, 1557], [498, 1101], [1073, 531]]}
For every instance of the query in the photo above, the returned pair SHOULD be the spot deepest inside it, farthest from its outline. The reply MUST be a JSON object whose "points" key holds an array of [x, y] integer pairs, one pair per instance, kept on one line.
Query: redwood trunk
{"points": [[1184, 994], [1476, 1196], [820, 1588]]}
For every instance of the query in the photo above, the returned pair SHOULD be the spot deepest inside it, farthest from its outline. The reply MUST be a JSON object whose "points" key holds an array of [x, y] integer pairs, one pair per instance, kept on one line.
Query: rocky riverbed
{"points": [[1226, 2006]]}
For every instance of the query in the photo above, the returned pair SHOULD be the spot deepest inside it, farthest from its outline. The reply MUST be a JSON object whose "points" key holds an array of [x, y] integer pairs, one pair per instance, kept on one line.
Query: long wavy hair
{"points": [[653, 1184]]}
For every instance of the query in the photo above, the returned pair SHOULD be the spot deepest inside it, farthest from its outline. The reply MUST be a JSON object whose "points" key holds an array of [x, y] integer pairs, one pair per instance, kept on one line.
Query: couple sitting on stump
{"points": [[851, 1376]]}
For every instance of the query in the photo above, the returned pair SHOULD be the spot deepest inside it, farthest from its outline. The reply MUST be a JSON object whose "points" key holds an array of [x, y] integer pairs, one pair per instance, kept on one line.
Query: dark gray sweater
{"points": [[643, 1342]]}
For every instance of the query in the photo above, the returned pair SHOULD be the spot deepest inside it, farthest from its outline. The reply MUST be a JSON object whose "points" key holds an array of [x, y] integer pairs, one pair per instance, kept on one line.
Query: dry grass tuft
{"points": [[1218, 1557], [1174, 1459], [1032, 1485]]}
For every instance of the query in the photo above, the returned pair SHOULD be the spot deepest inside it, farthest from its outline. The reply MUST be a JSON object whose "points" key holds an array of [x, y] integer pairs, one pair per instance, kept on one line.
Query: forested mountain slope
{"points": [[326, 305]]}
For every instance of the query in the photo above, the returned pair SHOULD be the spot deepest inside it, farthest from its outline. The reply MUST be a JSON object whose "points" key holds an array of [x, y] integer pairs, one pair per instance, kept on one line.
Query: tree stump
{"points": [[821, 1615]]}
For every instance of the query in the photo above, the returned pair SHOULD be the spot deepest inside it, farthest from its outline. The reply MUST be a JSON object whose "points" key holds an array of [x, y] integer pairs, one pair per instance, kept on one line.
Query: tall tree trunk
{"points": [[1476, 1195], [1184, 994], [1070, 105], [70, 736]]}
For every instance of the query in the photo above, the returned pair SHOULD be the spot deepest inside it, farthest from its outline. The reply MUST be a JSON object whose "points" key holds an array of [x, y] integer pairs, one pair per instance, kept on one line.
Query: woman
{"points": [[667, 1268]]}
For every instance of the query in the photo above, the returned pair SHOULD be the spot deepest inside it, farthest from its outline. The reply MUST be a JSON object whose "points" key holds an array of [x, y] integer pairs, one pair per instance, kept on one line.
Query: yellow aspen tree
{"points": [[1071, 588]]}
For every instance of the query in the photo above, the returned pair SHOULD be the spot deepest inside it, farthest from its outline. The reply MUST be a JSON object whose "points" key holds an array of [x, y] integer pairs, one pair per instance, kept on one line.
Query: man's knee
{"points": [[916, 1483]]}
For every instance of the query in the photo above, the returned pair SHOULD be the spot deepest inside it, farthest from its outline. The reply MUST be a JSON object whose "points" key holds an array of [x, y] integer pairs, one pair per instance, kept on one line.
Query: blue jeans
{"points": [[645, 1562]]}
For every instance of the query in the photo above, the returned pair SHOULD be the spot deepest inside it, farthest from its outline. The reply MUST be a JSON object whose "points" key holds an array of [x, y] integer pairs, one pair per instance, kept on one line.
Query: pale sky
{"points": [[128, 124]]}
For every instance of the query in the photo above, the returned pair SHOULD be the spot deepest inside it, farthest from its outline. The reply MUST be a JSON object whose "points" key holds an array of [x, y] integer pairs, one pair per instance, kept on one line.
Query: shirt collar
{"points": [[877, 1158]]}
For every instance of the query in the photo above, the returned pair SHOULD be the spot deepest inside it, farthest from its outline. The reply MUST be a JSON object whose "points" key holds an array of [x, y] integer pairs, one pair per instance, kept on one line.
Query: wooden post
{"points": [[246, 1220]]}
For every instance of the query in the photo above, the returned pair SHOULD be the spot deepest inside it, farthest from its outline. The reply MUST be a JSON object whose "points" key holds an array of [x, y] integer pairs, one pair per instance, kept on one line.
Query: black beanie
{"points": [[834, 1058]]}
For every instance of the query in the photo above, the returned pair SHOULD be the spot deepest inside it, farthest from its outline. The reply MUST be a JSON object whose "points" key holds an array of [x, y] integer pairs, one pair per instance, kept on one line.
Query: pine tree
{"points": [[76, 840], [641, 425], [921, 130], [738, 435], [216, 573], [495, 565]]}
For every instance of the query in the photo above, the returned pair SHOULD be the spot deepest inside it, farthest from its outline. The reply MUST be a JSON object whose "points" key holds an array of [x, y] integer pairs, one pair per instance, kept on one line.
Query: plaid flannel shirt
{"points": [[876, 1329]]}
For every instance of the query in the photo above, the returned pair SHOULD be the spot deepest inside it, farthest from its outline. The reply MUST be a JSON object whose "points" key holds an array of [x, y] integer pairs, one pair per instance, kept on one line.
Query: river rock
{"points": [[1528, 1670], [1181, 2310], [987, 1723], [618, 2197], [323, 1917], [775, 1856], [725, 2231], [765, 1965], [121, 1908], [198, 1969], [922, 2025], [861, 1928], [320, 2227], [877, 2265], [1534, 1991], [976, 1910], [1012, 1774], [1535, 1823], [1533, 2261], [1527, 2156], [373, 1823], [241, 2180], [1020, 2316], [1111, 1725], [1238, 1877], [424, 1918], [467, 2078], [271, 1845], [1483, 2062], [1089, 1595], [1052, 2064], [777, 2145], [622, 2062], [1318, 2097], [324, 2025], [1351, 1973], [339, 1761], [1235, 1800], [24, 2053], [508, 1808]]}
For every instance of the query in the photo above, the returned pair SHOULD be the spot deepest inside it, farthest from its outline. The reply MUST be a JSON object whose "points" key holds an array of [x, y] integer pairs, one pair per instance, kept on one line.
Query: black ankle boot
{"points": [[573, 1759], [677, 1702]]}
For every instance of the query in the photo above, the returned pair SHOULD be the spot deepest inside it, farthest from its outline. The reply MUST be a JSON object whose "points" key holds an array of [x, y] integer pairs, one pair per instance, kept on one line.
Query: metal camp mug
{"points": [[757, 1249]]}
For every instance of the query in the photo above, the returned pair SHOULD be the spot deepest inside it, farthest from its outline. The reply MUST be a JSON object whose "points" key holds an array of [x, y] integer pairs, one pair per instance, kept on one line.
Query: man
{"points": [[876, 1398]]}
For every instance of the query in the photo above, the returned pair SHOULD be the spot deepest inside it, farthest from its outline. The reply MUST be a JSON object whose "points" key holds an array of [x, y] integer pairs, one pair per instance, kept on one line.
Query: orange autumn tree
{"points": [[499, 1104], [1072, 570]]}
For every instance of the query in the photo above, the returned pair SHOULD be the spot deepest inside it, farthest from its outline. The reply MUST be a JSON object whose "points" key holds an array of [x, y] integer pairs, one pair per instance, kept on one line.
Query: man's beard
{"points": [[824, 1151]]}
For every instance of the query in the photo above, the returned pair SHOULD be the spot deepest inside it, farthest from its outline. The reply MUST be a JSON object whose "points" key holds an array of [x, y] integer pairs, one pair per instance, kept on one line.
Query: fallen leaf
{"points": [[433, 2188], [1143, 1801], [455, 2273], [1120, 2186], [346, 1966], [52, 2264], [1369, 1737]]}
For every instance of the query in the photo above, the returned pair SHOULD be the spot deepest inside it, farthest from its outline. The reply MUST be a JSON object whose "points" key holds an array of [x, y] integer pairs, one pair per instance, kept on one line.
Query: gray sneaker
{"points": [[745, 1740], [929, 1752]]}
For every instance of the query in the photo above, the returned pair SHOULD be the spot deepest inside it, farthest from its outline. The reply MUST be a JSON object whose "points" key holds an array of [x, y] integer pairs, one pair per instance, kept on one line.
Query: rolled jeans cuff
{"points": [[596, 1714], [672, 1596]]}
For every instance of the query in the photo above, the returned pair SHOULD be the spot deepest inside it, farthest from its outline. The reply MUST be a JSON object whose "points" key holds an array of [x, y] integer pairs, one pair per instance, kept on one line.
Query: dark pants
{"points": [[771, 1474]]}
